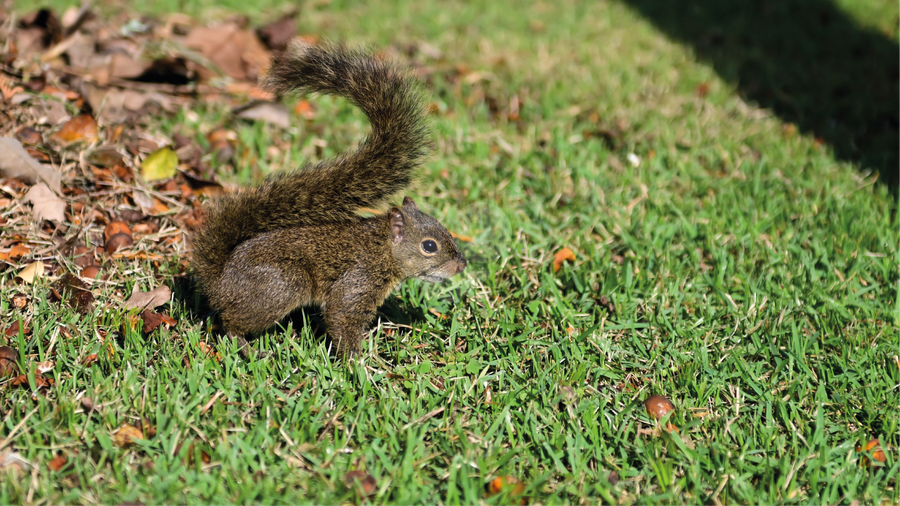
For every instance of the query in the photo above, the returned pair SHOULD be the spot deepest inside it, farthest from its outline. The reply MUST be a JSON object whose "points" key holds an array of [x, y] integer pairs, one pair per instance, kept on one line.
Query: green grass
{"points": [[753, 274]]}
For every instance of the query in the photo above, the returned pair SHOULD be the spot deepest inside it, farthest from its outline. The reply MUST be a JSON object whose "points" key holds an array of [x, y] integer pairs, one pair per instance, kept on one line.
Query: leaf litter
{"points": [[90, 182]]}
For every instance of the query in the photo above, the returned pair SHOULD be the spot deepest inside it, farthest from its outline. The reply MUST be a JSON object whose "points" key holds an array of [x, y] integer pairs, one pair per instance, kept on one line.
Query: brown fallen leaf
{"points": [[16, 163], [148, 300], [153, 320], [81, 128], [269, 112], [40, 381], [47, 206], [277, 34], [18, 251], [32, 271], [561, 256], [58, 462], [77, 292], [127, 435]]}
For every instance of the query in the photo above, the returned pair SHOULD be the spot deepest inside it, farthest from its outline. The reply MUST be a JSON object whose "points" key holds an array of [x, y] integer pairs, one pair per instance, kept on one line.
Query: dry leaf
{"points": [[16, 163], [47, 206], [277, 34], [14, 461], [153, 320], [78, 293], [32, 271], [270, 112], [81, 128], [561, 256], [58, 462], [145, 300]]}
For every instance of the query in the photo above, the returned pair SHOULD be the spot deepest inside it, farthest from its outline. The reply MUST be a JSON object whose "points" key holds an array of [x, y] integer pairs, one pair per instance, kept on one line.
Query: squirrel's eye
{"points": [[429, 246]]}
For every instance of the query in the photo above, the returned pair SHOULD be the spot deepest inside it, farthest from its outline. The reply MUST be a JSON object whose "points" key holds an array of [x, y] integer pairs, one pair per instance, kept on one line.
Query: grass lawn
{"points": [[723, 258]]}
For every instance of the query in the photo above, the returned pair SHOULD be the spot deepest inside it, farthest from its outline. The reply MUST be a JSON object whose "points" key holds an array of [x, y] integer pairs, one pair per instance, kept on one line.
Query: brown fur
{"points": [[296, 238]]}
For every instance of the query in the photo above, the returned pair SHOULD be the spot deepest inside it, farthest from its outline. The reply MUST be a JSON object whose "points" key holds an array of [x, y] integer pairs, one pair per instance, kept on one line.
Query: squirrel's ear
{"points": [[410, 203], [397, 222]]}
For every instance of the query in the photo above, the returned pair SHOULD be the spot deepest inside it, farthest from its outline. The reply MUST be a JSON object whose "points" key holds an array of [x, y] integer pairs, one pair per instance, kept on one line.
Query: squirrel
{"points": [[297, 239]]}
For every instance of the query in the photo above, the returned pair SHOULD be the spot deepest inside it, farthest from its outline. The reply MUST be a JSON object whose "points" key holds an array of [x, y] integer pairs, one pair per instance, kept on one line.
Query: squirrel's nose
{"points": [[460, 264]]}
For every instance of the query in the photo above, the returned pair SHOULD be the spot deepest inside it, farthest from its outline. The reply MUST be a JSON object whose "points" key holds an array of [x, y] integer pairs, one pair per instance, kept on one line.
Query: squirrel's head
{"points": [[422, 246]]}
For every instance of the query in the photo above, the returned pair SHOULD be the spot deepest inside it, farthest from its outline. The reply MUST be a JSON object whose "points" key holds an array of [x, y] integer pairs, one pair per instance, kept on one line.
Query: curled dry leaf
{"points": [[127, 435], [16, 163], [89, 361], [47, 206], [153, 320], [561, 256], [144, 300], [13, 330], [32, 271], [40, 381]]}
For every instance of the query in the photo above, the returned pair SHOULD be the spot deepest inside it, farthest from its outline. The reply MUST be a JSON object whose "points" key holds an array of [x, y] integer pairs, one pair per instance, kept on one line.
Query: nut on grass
{"points": [[118, 241], [658, 407], [8, 362]]}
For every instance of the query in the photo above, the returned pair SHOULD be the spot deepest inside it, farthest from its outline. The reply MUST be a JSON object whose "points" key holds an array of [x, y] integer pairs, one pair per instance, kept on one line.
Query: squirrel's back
{"points": [[332, 190]]}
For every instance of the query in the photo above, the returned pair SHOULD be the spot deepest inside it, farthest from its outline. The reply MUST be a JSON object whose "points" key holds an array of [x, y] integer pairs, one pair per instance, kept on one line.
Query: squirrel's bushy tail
{"points": [[332, 190]]}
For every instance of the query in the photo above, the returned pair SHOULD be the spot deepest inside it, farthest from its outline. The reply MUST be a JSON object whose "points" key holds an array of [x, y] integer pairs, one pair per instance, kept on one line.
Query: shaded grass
{"points": [[753, 279]]}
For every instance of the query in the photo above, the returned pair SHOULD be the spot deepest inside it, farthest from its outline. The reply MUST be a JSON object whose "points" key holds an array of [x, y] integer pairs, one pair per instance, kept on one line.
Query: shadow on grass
{"points": [[806, 60]]}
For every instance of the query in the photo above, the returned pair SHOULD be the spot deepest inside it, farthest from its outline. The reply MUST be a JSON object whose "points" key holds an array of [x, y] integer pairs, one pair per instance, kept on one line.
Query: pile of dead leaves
{"points": [[90, 187]]}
